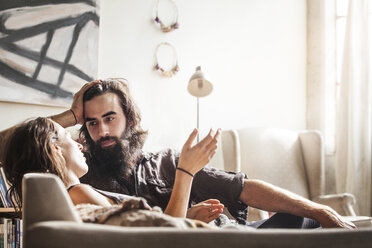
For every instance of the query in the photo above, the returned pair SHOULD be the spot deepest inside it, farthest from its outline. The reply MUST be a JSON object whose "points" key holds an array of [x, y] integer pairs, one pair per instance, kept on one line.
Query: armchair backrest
{"points": [[288, 159], [45, 198]]}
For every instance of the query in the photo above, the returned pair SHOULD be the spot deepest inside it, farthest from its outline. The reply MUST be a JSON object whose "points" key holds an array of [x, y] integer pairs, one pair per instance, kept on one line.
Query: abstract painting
{"points": [[48, 49]]}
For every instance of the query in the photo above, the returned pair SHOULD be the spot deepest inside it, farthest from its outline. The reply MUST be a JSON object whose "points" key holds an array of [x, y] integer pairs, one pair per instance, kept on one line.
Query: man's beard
{"points": [[116, 160]]}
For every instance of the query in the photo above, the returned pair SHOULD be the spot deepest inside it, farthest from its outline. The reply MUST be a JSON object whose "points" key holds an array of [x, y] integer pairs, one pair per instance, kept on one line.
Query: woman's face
{"points": [[71, 151]]}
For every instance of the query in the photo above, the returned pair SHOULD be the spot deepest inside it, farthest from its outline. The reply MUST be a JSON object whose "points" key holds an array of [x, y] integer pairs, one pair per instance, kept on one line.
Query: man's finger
{"points": [[90, 84]]}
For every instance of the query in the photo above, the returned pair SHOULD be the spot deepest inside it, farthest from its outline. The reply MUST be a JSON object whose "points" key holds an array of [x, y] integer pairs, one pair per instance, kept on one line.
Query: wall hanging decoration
{"points": [[48, 49], [174, 25], [171, 51]]}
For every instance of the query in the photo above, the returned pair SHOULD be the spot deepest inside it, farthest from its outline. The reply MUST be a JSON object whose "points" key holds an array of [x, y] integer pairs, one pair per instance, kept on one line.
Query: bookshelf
{"points": [[7, 210], [10, 219], [9, 213]]}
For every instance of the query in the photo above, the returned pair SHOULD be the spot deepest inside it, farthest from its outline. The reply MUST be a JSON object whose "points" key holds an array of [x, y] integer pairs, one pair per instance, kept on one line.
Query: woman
{"points": [[42, 145]]}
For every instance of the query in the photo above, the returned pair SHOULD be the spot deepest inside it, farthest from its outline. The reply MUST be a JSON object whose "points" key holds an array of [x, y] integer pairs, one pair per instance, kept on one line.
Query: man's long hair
{"points": [[134, 136]]}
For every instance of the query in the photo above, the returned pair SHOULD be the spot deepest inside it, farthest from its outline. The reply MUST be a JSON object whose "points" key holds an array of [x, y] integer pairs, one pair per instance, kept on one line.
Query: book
{"points": [[4, 186], [2, 173], [3, 193], [1, 232], [21, 233], [14, 234], [17, 238], [7, 186], [6, 232]]}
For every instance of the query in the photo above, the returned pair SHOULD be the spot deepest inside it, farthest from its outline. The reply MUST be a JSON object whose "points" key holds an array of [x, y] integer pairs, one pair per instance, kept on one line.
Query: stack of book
{"points": [[10, 233]]}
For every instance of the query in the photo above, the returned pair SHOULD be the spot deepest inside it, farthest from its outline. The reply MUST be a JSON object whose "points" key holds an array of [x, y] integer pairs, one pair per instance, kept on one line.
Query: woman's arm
{"points": [[192, 159], [83, 193]]}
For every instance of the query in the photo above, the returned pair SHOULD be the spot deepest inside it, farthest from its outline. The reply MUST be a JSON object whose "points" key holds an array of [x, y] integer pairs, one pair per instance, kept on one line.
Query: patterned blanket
{"points": [[134, 213]]}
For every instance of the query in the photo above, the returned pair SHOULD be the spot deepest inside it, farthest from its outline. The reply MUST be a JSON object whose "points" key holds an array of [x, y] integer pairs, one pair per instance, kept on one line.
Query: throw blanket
{"points": [[134, 213]]}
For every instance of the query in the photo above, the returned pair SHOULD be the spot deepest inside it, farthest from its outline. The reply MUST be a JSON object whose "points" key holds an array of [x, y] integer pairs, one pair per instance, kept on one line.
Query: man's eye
{"points": [[110, 118], [92, 123]]}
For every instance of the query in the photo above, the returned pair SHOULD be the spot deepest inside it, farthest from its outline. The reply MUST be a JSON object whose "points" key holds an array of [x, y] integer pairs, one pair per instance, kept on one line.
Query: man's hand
{"points": [[205, 211], [265, 196], [329, 218], [77, 104], [194, 158]]}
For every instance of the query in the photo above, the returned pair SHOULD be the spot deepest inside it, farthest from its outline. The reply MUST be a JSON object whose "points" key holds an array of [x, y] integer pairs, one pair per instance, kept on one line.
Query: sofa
{"points": [[50, 220]]}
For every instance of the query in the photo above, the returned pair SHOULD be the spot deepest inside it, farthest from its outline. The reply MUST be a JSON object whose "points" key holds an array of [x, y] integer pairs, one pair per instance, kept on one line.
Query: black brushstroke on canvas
{"points": [[7, 42], [11, 4]]}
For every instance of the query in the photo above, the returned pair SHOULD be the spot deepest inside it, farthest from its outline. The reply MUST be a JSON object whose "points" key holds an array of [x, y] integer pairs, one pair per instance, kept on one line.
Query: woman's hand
{"points": [[205, 211], [194, 158], [77, 104]]}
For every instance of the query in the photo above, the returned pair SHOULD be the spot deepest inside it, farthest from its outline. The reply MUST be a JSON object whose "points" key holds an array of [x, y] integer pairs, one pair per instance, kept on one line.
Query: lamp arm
{"points": [[197, 118]]}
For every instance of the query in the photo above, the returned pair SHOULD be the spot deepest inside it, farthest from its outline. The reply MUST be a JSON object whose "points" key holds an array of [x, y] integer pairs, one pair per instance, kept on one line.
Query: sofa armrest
{"points": [[342, 203], [45, 198]]}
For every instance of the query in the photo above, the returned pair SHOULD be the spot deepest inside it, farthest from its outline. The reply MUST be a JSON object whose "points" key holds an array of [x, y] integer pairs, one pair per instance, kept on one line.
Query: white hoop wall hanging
{"points": [[174, 69], [174, 24]]}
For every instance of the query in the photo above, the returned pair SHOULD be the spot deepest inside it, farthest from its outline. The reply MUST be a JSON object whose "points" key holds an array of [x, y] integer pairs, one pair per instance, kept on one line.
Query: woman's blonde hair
{"points": [[30, 149]]}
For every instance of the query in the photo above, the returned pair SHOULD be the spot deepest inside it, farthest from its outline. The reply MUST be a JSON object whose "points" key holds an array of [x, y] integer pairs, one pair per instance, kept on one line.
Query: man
{"points": [[113, 138]]}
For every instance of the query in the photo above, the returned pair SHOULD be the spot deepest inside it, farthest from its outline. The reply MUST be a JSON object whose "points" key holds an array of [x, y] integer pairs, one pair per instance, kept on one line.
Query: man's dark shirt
{"points": [[153, 179]]}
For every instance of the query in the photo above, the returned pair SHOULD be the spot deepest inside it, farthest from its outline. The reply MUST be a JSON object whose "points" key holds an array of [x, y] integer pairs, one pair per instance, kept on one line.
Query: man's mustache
{"points": [[107, 138]]}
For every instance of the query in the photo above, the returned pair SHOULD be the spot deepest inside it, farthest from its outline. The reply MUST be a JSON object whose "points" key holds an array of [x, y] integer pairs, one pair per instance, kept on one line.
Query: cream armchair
{"points": [[288, 159]]}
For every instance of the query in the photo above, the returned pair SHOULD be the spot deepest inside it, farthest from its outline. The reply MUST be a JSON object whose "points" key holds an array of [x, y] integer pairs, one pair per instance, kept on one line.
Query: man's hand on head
{"points": [[77, 104]]}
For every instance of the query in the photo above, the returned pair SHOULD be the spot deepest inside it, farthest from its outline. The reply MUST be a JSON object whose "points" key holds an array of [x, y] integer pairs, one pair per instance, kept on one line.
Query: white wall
{"points": [[253, 51], [13, 113]]}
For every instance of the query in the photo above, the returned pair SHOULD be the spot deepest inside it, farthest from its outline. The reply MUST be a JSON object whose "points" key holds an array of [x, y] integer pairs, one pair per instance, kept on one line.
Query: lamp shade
{"points": [[199, 86]]}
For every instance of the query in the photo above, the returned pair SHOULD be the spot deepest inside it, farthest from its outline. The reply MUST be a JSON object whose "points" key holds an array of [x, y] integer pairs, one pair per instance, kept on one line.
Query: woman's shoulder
{"points": [[78, 187], [79, 190], [84, 193]]}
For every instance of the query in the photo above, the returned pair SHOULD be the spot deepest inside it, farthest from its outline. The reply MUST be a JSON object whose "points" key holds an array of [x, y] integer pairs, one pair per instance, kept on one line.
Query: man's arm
{"points": [[65, 119], [262, 195]]}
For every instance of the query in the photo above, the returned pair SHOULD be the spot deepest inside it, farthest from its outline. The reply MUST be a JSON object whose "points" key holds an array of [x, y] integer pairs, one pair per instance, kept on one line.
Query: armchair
{"points": [[288, 159]]}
